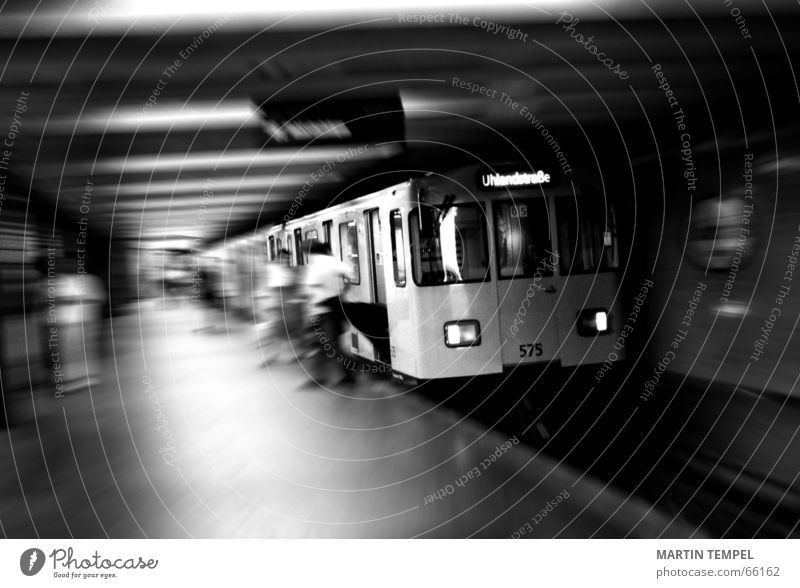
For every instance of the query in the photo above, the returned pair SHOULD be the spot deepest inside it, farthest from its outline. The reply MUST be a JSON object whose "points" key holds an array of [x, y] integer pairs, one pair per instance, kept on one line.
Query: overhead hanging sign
{"points": [[333, 120]]}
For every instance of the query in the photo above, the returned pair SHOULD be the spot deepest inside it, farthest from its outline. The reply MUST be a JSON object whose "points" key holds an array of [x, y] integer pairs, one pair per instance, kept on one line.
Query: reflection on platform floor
{"points": [[190, 435]]}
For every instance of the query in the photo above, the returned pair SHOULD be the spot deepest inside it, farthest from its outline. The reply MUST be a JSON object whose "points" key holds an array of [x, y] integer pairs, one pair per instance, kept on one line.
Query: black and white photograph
{"points": [[388, 271]]}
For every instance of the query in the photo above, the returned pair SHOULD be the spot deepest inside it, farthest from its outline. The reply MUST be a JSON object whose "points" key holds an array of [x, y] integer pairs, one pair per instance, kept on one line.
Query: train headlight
{"points": [[601, 321], [593, 321], [462, 333]]}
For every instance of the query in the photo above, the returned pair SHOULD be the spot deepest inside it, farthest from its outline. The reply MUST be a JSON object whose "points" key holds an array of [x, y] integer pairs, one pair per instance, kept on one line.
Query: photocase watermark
{"points": [[549, 263], [568, 22], [66, 565], [679, 117], [31, 561], [317, 175], [99, 9], [495, 28], [439, 18], [328, 347], [205, 199], [760, 344], [169, 451], [742, 233], [748, 176], [83, 228], [202, 211], [476, 472], [197, 241], [741, 22], [95, 565], [627, 329], [537, 518], [509, 102], [52, 324], [14, 129], [197, 279], [168, 72], [680, 336], [664, 86]]}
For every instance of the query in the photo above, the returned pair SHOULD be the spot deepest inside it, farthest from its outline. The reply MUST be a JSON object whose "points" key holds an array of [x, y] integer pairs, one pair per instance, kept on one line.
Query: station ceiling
{"points": [[149, 119]]}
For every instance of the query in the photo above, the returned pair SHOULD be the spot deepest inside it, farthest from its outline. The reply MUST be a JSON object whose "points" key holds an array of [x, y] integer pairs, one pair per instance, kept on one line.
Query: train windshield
{"points": [[449, 245], [522, 231], [587, 234]]}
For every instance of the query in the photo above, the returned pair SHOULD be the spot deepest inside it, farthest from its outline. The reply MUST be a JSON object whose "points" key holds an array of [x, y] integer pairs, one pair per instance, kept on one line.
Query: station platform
{"points": [[189, 434]]}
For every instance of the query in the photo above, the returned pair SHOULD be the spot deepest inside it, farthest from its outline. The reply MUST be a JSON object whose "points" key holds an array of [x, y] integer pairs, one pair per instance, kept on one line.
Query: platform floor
{"points": [[189, 435]]}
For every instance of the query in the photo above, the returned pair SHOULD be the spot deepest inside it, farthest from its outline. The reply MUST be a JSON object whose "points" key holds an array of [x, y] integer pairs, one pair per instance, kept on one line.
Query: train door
{"points": [[527, 280], [298, 246], [378, 277], [376, 257], [589, 308], [290, 248]]}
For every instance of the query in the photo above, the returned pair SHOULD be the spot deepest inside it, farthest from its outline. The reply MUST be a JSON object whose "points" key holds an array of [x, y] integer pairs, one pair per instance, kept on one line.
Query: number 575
{"points": [[530, 350]]}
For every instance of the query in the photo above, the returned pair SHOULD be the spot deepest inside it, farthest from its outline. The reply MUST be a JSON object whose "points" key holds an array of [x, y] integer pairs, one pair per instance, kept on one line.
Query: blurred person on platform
{"points": [[76, 301], [173, 284], [326, 283], [204, 296], [284, 314], [80, 300]]}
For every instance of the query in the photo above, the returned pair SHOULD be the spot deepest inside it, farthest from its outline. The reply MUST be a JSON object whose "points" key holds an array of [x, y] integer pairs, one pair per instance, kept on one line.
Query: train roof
{"points": [[506, 176]]}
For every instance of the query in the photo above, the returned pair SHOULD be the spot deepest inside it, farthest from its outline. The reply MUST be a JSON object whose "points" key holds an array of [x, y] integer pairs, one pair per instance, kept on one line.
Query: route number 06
{"points": [[530, 350]]}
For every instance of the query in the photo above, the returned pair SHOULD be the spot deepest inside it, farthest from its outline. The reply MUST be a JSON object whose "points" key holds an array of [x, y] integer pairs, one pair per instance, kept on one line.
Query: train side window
{"points": [[398, 248], [522, 238], [587, 235], [326, 231], [310, 237], [348, 240], [448, 246], [272, 248]]}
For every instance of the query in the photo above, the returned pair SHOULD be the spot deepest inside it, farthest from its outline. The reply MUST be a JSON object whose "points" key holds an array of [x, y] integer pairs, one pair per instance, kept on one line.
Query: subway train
{"points": [[471, 272]]}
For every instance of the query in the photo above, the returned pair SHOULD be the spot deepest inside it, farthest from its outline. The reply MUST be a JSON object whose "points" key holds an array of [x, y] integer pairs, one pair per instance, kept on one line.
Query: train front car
{"points": [[508, 267]]}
